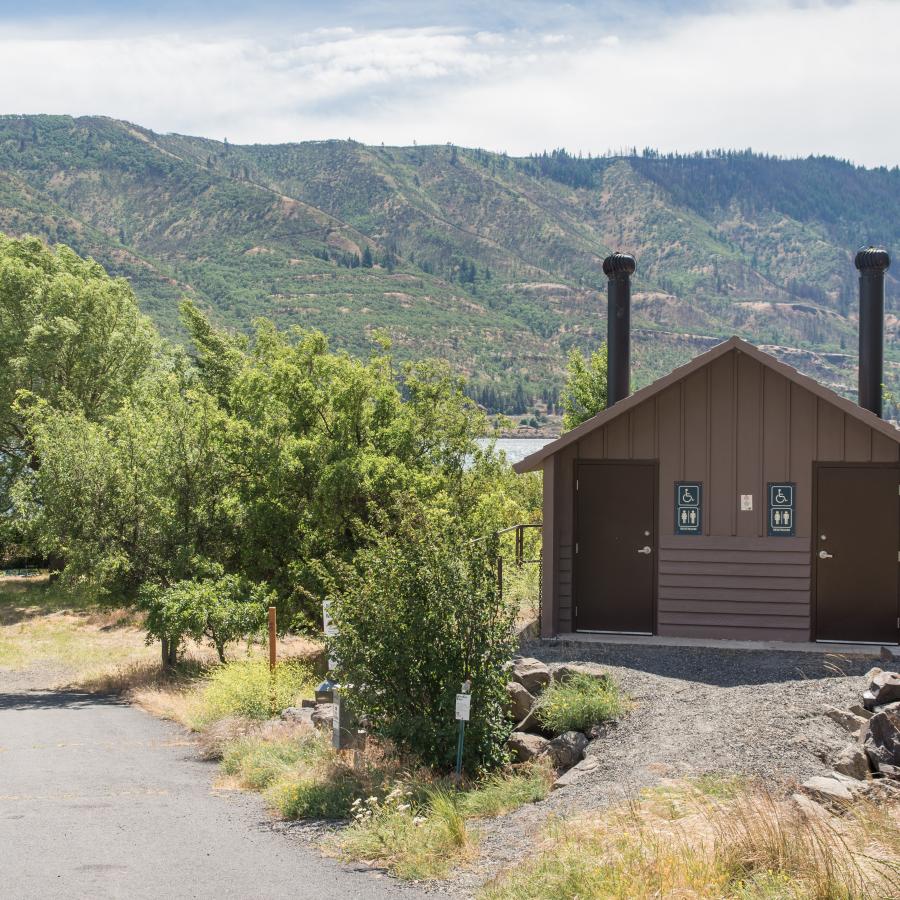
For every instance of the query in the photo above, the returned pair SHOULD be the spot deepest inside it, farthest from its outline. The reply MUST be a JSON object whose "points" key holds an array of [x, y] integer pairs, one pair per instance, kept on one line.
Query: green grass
{"points": [[246, 688], [500, 793], [578, 703]]}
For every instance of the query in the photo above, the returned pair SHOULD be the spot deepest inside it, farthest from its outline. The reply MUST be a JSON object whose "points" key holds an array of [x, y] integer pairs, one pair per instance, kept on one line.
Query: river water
{"points": [[517, 449]]}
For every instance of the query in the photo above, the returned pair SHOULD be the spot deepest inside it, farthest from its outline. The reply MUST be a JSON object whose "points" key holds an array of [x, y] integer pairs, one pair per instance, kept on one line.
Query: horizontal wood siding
{"points": [[734, 588]]}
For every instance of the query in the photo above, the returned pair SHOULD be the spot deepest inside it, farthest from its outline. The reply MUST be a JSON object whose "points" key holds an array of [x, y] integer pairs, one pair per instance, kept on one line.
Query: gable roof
{"points": [[534, 461]]}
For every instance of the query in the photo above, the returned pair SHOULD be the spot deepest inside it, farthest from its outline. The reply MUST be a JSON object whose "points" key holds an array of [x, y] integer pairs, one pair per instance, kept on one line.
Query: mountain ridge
{"points": [[489, 261]]}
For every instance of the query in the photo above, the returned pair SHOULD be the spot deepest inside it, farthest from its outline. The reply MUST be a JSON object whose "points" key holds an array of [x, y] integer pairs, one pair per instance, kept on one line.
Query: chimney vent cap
{"points": [[618, 264], [872, 259]]}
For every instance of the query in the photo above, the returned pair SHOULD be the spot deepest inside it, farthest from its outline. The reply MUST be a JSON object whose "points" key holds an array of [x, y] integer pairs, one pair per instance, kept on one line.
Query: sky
{"points": [[788, 77]]}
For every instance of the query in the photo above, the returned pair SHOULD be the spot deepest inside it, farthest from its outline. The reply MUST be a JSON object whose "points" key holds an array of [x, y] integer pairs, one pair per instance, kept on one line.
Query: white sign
{"points": [[463, 707], [746, 502]]}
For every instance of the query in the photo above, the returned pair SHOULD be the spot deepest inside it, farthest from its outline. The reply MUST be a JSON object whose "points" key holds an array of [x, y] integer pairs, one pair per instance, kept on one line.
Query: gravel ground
{"points": [[695, 711]]}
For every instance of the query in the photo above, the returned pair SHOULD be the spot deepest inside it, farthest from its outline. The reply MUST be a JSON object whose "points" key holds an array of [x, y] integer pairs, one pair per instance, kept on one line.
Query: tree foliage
{"points": [[419, 615], [71, 337], [585, 391]]}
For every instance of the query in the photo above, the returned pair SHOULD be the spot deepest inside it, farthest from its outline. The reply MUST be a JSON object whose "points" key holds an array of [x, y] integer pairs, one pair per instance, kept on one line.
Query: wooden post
{"points": [[272, 638]]}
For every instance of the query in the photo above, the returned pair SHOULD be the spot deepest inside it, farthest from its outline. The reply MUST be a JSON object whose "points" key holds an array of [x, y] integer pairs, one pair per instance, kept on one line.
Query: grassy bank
{"points": [[713, 838]]}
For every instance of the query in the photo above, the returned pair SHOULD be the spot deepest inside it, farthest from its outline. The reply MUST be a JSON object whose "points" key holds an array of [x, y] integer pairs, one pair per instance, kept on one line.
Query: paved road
{"points": [[99, 800]]}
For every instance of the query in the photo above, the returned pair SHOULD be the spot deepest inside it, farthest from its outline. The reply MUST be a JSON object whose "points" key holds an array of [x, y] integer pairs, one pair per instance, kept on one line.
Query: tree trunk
{"points": [[169, 653]]}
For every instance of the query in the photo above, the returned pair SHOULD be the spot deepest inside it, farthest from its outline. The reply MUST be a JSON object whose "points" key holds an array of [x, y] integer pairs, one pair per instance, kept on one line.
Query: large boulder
{"points": [[577, 772], [520, 701], [832, 789], [884, 688], [882, 743], [526, 747], [844, 718], [532, 674], [852, 761], [323, 716], [303, 715], [567, 749], [564, 671]]}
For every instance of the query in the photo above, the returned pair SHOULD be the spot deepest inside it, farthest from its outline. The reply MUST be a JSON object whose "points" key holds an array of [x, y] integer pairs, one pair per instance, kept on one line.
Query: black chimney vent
{"points": [[872, 263], [618, 268]]}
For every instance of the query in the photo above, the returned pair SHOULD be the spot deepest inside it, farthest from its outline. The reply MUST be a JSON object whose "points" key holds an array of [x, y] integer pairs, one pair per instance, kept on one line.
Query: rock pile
{"points": [[320, 715], [529, 741], [874, 727]]}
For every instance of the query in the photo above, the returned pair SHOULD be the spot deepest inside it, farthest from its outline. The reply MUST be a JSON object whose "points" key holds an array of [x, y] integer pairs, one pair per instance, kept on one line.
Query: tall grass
{"points": [[748, 846], [578, 703]]}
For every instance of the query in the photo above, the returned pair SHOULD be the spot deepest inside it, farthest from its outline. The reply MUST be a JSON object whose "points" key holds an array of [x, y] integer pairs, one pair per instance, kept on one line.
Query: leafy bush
{"points": [[578, 702], [420, 615], [222, 610], [247, 688]]}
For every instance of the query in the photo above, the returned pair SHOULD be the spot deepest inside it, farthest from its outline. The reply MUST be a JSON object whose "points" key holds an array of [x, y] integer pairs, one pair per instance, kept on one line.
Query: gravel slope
{"points": [[695, 710]]}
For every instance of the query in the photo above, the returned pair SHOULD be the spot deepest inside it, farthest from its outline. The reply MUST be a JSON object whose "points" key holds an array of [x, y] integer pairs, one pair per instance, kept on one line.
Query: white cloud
{"points": [[817, 78]]}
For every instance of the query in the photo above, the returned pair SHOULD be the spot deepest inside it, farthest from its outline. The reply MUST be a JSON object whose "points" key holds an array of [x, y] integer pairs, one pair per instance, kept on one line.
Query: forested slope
{"points": [[489, 261]]}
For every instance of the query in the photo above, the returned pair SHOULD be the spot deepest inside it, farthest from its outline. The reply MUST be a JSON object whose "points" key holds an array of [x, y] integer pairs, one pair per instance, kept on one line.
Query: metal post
{"points": [[871, 263], [618, 268], [459, 749]]}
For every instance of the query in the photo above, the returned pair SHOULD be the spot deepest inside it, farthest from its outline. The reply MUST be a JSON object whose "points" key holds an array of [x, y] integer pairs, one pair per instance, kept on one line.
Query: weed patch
{"points": [[578, 703], [246, 688]]}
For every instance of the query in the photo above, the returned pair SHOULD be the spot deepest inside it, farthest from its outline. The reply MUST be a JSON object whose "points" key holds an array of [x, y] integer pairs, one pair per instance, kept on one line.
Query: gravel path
{"points": [[695, 711]]}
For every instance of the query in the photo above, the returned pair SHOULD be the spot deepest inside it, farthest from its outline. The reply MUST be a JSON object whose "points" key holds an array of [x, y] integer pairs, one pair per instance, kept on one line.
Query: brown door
{"points": [[615, 561], [855, 553]]}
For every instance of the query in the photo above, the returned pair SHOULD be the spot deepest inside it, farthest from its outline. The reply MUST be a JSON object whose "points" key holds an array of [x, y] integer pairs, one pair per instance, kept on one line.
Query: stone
{"points": [[892, 771], [882, 743], [564, 671], [852, 761], [595, 732], [577, 772], [890, 655], [844, 718], [308, 702], [300, 714], [884, 688], [323, 716], [567, 749], [875, 670], [828, 789], [809, 807], [532, 674], [520, 701], [526, 747], [859, 710]]}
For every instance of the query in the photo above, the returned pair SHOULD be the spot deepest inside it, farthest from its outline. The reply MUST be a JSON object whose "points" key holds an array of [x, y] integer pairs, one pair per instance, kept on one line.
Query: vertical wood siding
{"points": [[734, 425]]}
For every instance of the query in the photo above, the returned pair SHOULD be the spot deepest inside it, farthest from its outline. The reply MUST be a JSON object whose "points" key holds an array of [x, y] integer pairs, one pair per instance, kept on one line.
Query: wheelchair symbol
{"points": [[687, 497]]}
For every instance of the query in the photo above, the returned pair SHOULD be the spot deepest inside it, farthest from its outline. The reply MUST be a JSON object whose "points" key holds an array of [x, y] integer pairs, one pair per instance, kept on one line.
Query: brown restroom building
{"points": [[733, 498]]}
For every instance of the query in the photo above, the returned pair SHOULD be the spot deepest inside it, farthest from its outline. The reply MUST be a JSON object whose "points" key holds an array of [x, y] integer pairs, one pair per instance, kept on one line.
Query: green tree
{"points": [[70, 337], [367, 260], [585, 392]]}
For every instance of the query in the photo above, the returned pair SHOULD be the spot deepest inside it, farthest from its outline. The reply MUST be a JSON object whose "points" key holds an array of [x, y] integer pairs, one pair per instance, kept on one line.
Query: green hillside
{"points": [[488, 261]]}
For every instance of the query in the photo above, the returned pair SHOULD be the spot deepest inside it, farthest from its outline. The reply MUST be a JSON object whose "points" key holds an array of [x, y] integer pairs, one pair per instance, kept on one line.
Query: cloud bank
{"points": [[780, 77]]}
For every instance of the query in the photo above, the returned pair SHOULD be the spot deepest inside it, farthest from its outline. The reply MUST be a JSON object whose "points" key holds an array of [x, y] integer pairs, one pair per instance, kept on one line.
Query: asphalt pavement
{"points": [[100, 800]]}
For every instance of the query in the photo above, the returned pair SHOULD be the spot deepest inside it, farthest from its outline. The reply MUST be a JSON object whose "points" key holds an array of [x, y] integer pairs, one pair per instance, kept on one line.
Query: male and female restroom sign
{"points": [[689, 508]]}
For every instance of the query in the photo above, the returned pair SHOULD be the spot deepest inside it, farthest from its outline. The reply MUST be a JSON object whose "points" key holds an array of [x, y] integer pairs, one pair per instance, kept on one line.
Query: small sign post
{"points": [[463, 711], [272, 629]]}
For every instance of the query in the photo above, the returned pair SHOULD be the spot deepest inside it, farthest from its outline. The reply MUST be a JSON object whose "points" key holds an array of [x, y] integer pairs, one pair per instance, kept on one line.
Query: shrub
{"points": [[419, 615], [502, 792], [247, 689], [578, 702], [220, 610]]}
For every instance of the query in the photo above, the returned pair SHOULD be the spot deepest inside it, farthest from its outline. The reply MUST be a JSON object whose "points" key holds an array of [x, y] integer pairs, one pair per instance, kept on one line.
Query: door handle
{"points": [[645, 550], [824, 554]]}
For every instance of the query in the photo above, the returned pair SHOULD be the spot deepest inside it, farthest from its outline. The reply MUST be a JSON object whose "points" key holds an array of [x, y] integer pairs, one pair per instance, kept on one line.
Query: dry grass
{"points": [[688, 842]]}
